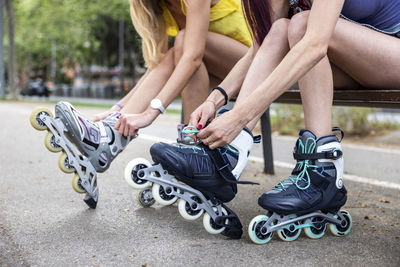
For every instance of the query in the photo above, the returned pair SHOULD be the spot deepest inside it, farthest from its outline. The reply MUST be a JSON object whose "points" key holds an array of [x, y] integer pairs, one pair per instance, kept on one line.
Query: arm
{"points": [[231, 84], [197, 23], [121, 102], [300, 59]]}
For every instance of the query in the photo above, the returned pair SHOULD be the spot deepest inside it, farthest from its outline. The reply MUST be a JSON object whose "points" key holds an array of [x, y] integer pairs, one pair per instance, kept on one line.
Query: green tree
{"points": [[83, 31]]}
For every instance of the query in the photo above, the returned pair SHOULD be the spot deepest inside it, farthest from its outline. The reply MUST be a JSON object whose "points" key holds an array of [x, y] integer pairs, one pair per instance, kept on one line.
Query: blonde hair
{"points": [[147, 18]]}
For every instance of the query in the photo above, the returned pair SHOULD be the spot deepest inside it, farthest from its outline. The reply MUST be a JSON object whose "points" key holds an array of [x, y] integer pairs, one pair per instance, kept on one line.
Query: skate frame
{"points": [[283, 221], [180, 190], [74, 158]]}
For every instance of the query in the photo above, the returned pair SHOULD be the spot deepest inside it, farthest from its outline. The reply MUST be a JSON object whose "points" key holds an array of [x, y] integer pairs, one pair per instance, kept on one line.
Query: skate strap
{"points": [[257, 139], [337, 129], [222, 167], [332, 154]]}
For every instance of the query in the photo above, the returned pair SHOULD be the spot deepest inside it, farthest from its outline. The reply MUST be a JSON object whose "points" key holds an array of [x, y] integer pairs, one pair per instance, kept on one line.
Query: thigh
{"points": [[369, 57], [214, 81], [222, 53], [342, 80]]}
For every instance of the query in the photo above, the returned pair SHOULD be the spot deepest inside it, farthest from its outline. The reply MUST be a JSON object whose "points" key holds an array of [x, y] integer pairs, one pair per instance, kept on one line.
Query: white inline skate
{"points": [[87, 147]]}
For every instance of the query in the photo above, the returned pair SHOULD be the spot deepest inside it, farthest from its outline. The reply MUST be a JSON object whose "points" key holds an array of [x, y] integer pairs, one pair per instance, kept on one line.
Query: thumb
{"points": [[116, 126]]}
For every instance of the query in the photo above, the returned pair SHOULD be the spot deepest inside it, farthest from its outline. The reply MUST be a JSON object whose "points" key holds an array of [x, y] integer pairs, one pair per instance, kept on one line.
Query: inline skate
{"points": [[87, 147], [202, 179], [310, 198]]}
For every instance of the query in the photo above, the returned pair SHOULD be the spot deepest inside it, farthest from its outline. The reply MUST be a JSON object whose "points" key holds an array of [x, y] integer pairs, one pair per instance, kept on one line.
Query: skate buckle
{"points": [[334, 154]]}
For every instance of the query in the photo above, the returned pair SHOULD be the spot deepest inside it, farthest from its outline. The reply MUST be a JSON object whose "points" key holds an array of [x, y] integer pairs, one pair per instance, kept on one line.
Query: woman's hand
{"points": [[202, 114], [222, 130], [101, 116], [129, 124]]}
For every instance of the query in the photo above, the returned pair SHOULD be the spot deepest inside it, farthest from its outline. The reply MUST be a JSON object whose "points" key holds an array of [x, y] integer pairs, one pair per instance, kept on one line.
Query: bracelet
{"points": [[119, 105], [222, 92]]}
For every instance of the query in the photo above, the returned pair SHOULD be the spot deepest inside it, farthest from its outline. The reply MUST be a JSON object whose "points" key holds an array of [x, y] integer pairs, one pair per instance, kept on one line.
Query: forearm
{"points": [[126, 98], [180, 77], [300, 59]]}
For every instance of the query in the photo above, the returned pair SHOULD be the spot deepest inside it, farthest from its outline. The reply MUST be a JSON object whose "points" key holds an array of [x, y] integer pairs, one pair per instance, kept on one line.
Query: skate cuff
{"points": [[332, 154]]}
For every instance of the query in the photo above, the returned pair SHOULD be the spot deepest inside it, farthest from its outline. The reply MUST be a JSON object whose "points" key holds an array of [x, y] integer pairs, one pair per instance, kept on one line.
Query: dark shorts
{"points": [[393, 31]]}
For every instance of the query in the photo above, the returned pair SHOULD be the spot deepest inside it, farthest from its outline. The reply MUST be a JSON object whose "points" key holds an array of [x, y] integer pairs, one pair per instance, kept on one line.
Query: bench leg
{"points": [[267, 143]]}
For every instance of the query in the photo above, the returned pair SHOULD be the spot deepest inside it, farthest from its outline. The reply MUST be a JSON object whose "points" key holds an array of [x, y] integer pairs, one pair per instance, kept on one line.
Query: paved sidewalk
{"points": [[43, 222]]}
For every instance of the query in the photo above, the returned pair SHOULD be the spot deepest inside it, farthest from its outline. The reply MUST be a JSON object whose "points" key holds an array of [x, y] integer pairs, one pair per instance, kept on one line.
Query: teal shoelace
{"points": [[303, 166], [190, 131]]}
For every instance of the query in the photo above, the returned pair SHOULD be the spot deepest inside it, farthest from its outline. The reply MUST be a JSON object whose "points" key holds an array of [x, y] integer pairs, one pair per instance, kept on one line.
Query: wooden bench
{"points": [[360, 98]]}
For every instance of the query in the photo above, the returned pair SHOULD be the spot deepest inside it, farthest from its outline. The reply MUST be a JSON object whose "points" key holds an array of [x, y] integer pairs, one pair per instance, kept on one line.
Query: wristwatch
{"points": [[157, 104]]}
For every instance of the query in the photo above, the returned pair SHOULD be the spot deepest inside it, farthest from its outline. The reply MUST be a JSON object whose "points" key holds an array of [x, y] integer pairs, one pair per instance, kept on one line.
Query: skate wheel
{"points": [[210, 225], [63, 163], [50, 143], [36, 122], [318, 228], [342, 230], [145, 198], [131, 173], [255, 230], [290, 232], [77, 186], [162, 196], [187, 212]]}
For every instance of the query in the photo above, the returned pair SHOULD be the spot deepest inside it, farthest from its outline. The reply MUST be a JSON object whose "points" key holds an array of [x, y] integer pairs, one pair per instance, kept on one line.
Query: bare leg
{"points": [[369, 57], [273, 49], [357, 63], [220, 55], [316, 87]]}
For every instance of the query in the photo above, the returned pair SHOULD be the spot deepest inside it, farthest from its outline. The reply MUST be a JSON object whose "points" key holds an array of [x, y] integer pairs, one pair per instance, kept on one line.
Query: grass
{"points": [[354, 121], [82, 104]]}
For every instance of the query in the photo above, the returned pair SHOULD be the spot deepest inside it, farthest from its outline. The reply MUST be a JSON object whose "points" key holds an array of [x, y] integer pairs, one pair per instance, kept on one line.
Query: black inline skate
{"points": [[310, 198], [202, 179]]}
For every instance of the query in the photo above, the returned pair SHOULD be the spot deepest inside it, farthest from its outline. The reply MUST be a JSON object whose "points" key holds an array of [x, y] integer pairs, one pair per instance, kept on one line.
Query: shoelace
{"points": [[303, 165], [189, 131]]}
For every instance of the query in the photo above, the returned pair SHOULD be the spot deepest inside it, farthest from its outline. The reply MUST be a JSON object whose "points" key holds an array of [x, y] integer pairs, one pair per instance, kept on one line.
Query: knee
{"points": [[178, 45], [297, 27], [277, 35]]}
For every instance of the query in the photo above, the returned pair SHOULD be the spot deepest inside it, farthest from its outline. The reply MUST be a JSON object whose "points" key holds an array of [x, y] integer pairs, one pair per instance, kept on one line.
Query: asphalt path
{"points": [[43, 222]]}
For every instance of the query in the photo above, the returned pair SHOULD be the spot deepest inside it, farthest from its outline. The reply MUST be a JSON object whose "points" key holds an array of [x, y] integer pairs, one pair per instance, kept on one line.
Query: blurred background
{"points": [[70, 48], [88, 53]]}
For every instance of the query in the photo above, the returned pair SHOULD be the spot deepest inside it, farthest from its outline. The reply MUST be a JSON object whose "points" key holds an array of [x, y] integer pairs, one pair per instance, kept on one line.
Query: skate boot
{"points": [[310, 198], [98, 141], [87, 147], [207, 179]]}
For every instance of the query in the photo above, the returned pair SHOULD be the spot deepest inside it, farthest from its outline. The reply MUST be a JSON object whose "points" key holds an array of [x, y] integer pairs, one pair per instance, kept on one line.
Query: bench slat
{"points": [[362, 98]]}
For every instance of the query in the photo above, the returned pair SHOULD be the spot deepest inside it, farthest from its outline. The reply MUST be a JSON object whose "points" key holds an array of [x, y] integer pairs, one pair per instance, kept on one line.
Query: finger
{"points": [[203, 134], [203, 120], [208, 140], [217, 144], [132, 131], [117, 125], [121, 127], [194, 119], [126, 130]]}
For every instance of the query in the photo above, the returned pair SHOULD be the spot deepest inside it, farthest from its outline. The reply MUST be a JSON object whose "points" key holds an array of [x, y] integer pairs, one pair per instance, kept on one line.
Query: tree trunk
{"points": [[11, 50]]}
